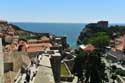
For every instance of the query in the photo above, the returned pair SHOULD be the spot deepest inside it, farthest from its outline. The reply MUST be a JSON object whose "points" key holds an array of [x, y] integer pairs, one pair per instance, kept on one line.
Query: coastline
{"points": [[70, 30]]}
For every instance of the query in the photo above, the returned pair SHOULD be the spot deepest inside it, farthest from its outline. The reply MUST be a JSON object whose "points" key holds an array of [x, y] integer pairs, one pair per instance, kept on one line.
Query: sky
{"points": [[67, 11]]}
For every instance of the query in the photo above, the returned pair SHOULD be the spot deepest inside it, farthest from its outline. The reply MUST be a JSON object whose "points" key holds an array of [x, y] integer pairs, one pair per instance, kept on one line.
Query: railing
{"points": [[18, 77], [119, 79], [118, 55]]}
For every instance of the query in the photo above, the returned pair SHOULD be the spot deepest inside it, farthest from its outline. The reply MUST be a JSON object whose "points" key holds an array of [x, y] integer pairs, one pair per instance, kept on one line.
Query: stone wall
{"points": [[56, 63]]}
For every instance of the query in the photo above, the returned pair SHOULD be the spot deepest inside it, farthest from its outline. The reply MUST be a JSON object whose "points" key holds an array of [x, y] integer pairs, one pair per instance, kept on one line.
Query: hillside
{"points": [[90, 31], [8, 32]]}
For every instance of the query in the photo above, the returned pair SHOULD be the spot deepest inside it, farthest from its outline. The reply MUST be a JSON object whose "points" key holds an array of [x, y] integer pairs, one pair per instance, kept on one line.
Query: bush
{"points": [[120, 72]]}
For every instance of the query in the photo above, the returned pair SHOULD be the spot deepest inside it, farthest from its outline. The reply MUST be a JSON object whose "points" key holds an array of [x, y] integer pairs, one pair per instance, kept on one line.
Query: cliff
{"points": [[19, 30]]}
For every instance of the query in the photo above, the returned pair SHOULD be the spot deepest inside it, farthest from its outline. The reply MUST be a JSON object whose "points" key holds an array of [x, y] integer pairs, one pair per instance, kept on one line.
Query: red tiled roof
{"points": [[119, 47], [35, 49], [121, 41], [40, 44], [38, 47]]}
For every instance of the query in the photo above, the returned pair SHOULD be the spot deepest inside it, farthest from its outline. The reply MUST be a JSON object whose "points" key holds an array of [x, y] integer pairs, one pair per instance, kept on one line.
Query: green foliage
{"points": [[120, 72], [114, 76], [89, 32], [117, 71], [92, 64], [100, 39], [64, 70], [119, 30]]}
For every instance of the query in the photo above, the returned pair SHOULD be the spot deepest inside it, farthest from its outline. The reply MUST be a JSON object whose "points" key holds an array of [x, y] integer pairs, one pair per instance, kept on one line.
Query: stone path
{"points": [[44, 74]]}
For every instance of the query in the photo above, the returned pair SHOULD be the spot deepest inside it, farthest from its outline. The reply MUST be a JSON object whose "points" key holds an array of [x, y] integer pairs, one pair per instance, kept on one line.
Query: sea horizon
{"points": [[63, 22]]}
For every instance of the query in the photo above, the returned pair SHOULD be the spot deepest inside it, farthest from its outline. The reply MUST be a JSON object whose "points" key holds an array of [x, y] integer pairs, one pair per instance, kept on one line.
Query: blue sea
{"points": [[70, 30]]}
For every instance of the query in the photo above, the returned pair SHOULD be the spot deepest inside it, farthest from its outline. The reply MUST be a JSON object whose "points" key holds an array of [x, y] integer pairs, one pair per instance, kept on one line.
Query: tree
{"points": [[92, 64], [99, 40], [95, 68], [79, 64]]}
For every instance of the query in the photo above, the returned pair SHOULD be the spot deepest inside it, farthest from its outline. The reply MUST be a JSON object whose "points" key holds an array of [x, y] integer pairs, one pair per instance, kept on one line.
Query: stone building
{"points": [[61, 41], [38, 45], [99, 24], [102, 24]]}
